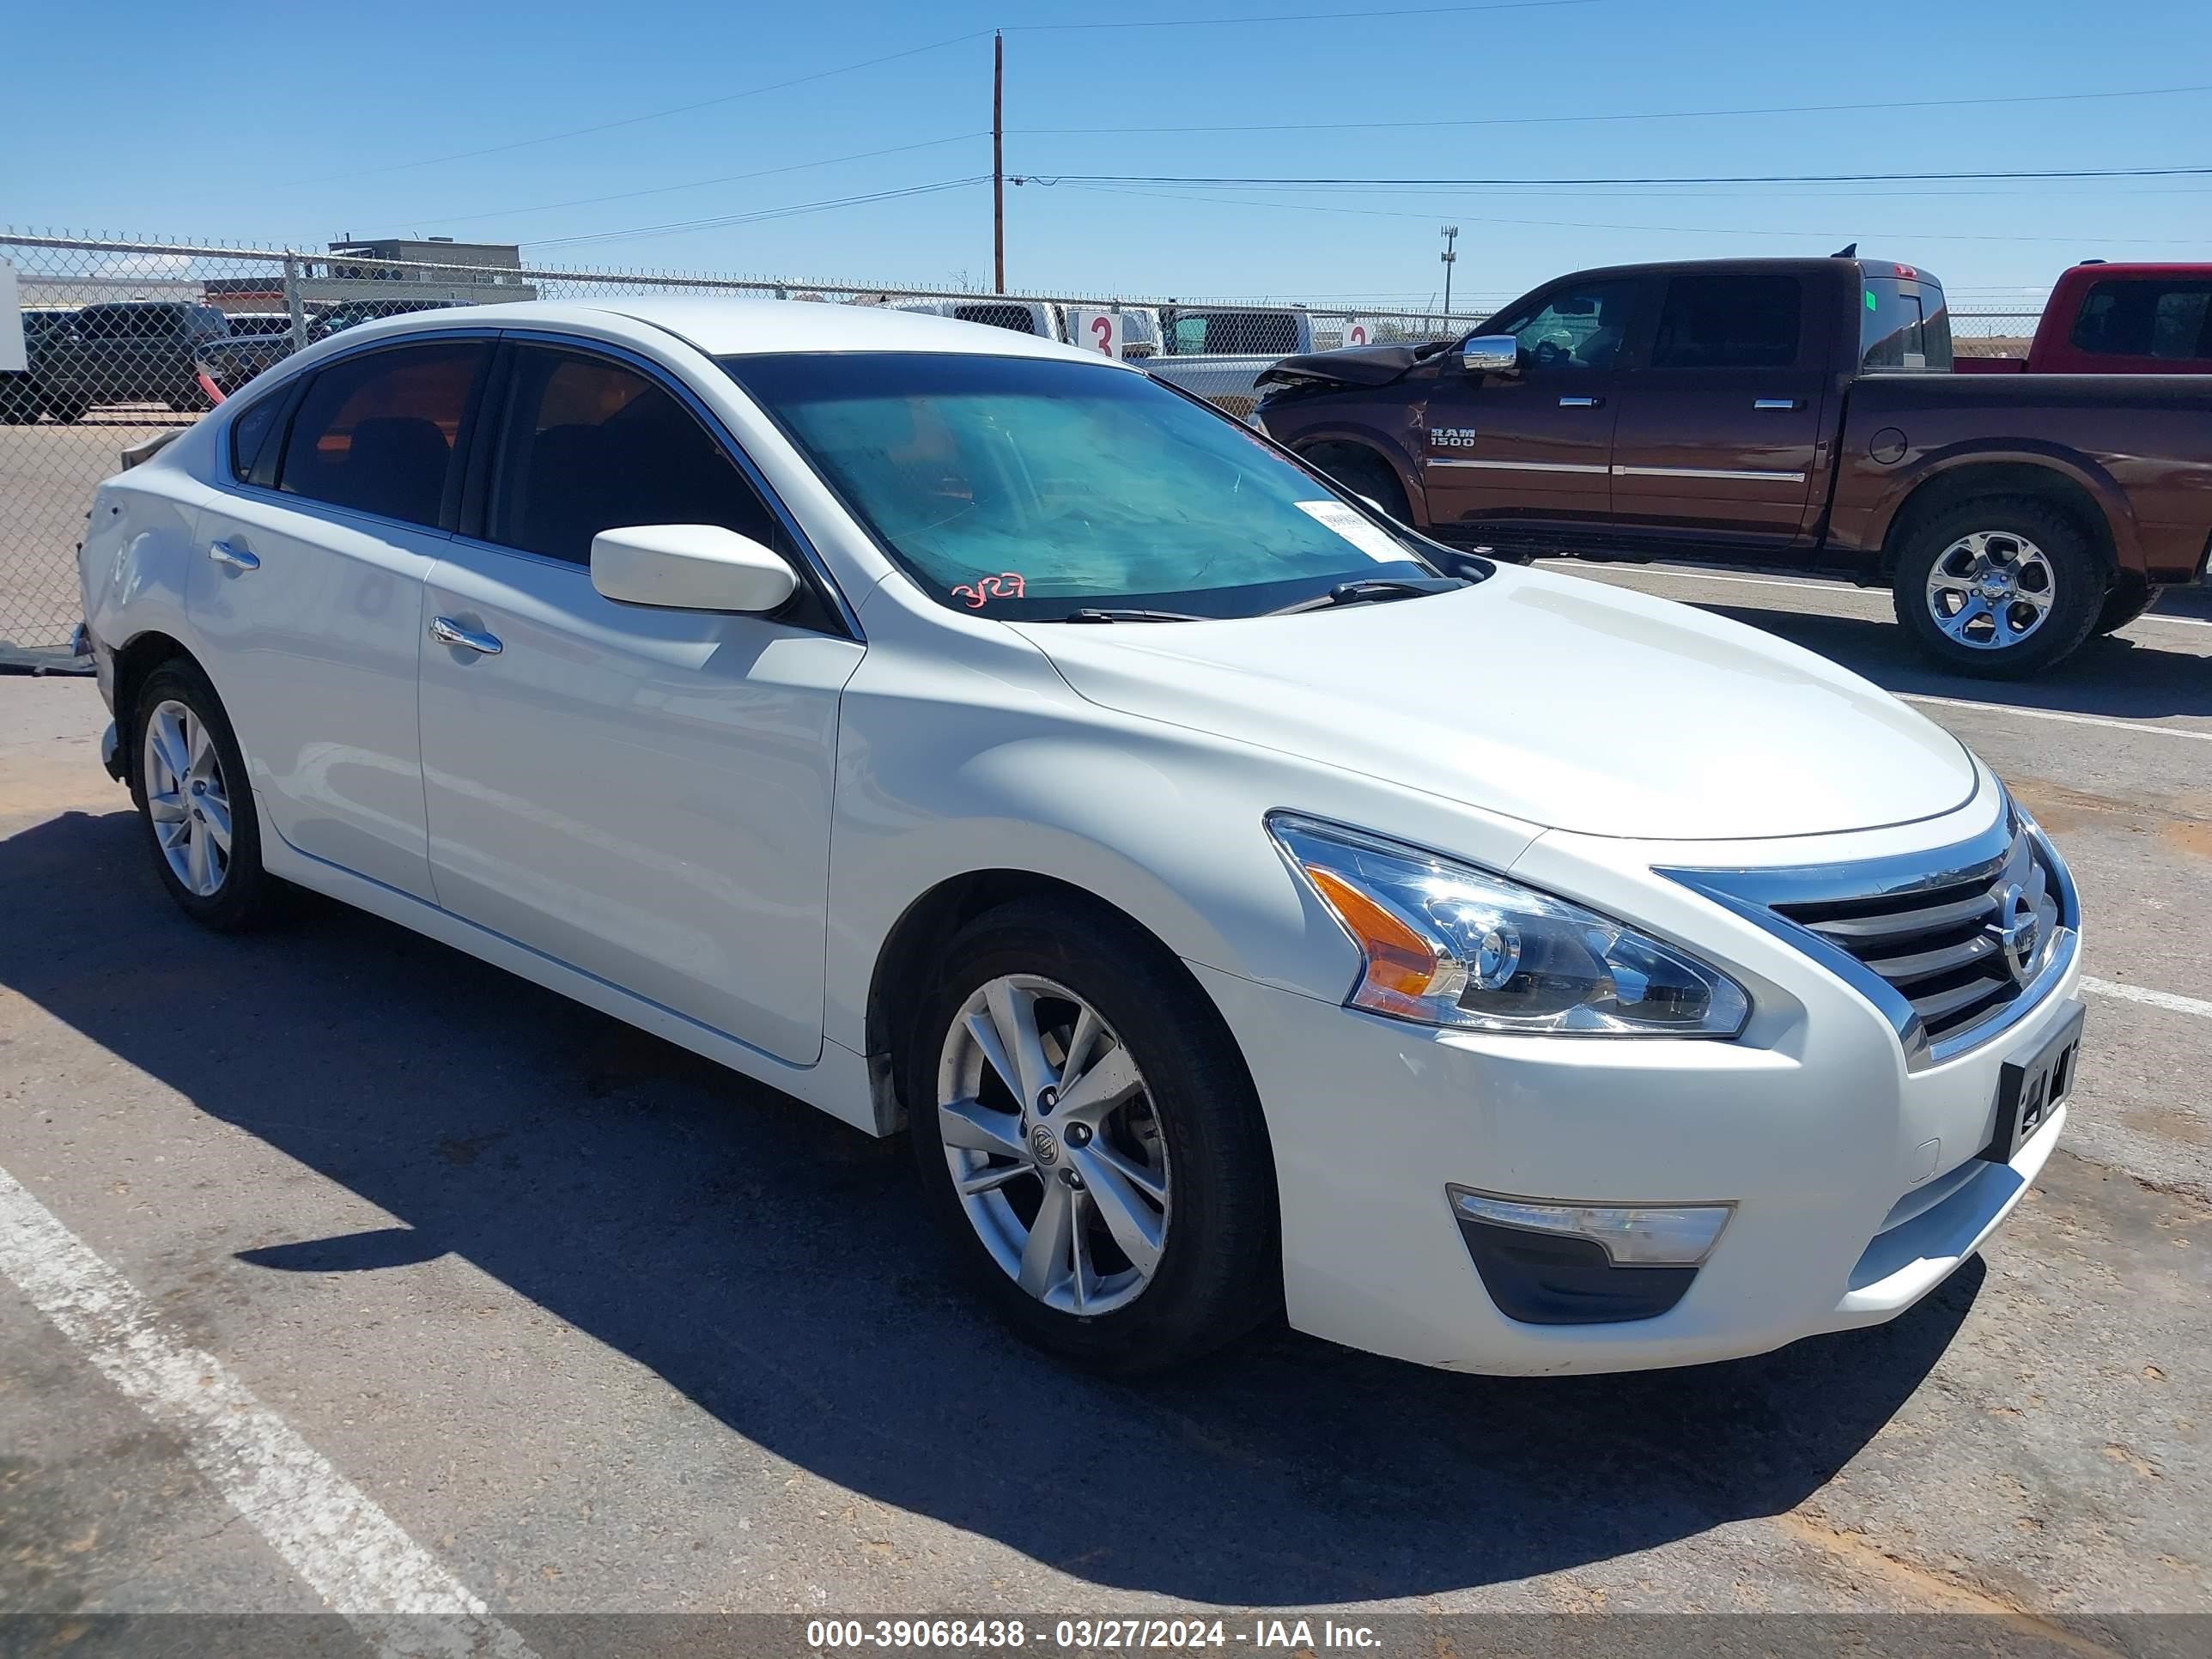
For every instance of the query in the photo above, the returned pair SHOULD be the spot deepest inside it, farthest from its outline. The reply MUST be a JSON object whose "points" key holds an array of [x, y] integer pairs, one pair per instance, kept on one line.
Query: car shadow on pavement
{"points": [[2117, 675], [779, 1270]]}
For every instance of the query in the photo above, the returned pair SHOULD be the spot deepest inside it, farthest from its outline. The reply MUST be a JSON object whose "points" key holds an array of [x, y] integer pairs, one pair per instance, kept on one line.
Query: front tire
{"points": [[2000, 588], [1368, 475], [189, 782], [1089, 1139], [2125, 604]]}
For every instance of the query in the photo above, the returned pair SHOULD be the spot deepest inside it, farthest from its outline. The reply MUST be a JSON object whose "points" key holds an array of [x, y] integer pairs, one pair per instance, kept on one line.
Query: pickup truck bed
{"points": [[1781, 412]]}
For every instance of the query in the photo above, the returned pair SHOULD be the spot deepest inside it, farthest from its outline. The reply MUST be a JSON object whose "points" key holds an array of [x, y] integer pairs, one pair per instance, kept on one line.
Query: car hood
{"points": [[1555, 700], [1376, 365]]}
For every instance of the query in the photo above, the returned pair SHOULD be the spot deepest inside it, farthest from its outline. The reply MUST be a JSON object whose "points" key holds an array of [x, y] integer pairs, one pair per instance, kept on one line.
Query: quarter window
{"points": [[589, 444], [1730, 322], [379, 433], [249, 432]]}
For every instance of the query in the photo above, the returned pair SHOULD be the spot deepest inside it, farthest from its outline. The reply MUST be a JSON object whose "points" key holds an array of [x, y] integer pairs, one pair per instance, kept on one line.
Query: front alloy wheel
{"points": [[1089, 1137], [1053, 1145]]}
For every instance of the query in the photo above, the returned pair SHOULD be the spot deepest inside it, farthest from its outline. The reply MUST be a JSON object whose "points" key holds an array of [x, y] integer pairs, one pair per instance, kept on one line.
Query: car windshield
{"points": [[1029, 488]]}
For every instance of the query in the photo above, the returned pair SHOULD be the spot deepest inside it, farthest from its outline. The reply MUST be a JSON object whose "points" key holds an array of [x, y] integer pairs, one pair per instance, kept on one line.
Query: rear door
{"points": [[1719, 425], [1532, 450], [307, 594]]}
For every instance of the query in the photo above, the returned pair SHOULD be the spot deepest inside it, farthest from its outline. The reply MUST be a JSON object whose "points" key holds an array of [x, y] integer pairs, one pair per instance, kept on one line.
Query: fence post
{"points": [[297, 310]]}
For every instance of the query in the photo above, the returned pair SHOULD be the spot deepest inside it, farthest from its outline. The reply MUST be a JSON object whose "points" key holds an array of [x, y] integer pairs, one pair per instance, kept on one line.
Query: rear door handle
{"points": [[236, 557], [1777, 402], [446, 631], [1582, 402]]}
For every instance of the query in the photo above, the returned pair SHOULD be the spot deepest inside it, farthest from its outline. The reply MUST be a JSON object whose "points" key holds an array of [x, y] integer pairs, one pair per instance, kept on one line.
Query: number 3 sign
{"points": [[1097, 330]]}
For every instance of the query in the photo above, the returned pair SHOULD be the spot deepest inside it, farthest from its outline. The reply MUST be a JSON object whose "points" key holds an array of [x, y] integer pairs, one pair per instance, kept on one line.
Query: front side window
{"points": [[2153, 318], [1029, 488], [589, 444], [1730, 322], [1582, 327], [379, 433]]}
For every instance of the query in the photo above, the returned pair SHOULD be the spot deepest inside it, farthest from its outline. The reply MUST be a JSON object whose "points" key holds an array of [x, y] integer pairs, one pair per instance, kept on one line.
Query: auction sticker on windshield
{"points": [[1356, 529]]}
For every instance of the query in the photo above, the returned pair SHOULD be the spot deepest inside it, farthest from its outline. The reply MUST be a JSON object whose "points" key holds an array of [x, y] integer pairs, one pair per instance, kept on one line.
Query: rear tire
{"points": [[2001, 588], [188, 780], [1183, 1158]]}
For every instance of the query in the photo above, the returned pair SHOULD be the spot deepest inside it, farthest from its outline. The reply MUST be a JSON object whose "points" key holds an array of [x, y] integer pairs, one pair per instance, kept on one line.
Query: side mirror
{"points": [[1491, 354], [689, 567]]}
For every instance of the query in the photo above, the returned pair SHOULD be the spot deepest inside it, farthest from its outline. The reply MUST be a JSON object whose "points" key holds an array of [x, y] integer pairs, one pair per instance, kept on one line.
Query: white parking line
{"points": [[1677, 572], [328, 1531], [2166, 999], [2144, 727]]}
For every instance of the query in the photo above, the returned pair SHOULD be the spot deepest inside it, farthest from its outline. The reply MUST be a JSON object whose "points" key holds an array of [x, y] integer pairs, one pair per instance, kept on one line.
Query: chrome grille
{"points": [[1938, 942], [1944, 948]]}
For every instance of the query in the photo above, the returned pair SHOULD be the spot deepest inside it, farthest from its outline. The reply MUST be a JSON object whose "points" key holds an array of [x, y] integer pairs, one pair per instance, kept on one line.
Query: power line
{"points": [[1645, 115], [651, 115], [758, 215], [1234, 182], [700, 183]]}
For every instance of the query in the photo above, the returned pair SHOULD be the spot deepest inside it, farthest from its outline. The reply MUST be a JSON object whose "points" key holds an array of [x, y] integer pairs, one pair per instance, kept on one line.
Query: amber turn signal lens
{"points": [[1398, 958]]}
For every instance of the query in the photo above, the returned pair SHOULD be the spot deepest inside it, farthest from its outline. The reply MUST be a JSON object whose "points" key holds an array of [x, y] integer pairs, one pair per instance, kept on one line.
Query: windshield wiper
{"points": [[1367, 589], [1093, 615]]}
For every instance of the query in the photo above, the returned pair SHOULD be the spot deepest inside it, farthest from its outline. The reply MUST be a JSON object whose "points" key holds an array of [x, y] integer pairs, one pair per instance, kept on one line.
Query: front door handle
{"points": [[1582, 402], [446, 631], [236, 557], [1777, 402]]}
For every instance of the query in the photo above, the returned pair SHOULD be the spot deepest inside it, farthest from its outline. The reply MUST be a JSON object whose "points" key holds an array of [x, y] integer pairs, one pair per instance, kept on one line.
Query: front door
{"points": [[1719, 426], [1530, 450], [306, 587], [638, 792]]}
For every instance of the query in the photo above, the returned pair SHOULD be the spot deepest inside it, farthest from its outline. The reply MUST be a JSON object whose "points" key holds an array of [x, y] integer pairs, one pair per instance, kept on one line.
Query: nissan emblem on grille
{"points": [[2019, 930]]}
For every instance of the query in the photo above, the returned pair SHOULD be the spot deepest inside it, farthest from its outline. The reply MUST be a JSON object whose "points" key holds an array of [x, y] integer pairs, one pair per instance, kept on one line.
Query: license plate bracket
{"points": [[2030, 1090]]}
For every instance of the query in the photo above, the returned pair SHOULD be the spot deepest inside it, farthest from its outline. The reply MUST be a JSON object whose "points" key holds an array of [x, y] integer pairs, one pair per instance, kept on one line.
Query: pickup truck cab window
{"points": [[1582, 327], [1902, 322], [1730, 322], [378, 432], [2168, 319]]}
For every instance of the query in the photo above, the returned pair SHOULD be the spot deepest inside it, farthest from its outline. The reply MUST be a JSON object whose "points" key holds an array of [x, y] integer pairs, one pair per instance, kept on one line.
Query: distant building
{"points": [[484, 260], [345, 273]]}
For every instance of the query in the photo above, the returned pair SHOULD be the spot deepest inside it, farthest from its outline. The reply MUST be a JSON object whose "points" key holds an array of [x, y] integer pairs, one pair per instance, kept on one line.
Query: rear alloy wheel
{"points": [[2000, 588], [1090, 1139], [189, 782]]}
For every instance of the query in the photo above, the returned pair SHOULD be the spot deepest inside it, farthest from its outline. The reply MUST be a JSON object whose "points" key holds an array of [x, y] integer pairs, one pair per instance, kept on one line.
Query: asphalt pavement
{"points": [[339, 1259]]}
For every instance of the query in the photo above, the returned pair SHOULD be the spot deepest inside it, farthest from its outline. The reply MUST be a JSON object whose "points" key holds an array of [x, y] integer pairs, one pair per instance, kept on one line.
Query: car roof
{"points": [[734, 327]]}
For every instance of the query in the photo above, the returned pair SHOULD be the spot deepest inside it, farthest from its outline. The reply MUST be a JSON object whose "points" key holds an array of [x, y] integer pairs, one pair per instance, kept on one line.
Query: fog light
{"points": [[1633, 1234], [1584, 1264]]}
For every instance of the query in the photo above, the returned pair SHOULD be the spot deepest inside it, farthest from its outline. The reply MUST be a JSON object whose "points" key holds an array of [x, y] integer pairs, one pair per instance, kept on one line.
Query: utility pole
{"points": [[1451, 233], [998, 162]]}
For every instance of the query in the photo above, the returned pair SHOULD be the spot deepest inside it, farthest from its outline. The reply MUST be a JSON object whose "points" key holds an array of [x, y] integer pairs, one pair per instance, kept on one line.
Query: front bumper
{"points": [[1857, 1183]]}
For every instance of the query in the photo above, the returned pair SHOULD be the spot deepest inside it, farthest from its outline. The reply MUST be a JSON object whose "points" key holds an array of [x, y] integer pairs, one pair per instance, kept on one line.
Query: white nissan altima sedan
{"points": [[1241, 902]]}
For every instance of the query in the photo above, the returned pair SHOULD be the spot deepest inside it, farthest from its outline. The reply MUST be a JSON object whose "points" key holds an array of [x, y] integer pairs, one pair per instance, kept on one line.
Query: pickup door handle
{"points": [[1582, 402], [236, 557], [1777, 402], [446, 631]]}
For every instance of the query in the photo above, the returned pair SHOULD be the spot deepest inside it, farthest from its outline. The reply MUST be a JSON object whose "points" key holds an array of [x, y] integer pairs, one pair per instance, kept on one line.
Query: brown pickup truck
{"points": [[1791, 412]]}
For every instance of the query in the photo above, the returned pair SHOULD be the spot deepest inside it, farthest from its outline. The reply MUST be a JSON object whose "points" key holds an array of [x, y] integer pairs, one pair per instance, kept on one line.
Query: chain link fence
{"points": [[123, 339]]}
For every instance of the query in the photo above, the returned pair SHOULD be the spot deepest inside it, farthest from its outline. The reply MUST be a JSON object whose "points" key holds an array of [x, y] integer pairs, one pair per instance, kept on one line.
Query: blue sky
{"points": [[273, 123]]}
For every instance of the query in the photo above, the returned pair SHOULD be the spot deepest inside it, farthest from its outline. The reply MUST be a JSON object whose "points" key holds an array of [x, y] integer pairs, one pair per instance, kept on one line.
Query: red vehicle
{"points": [[2117, 319]]}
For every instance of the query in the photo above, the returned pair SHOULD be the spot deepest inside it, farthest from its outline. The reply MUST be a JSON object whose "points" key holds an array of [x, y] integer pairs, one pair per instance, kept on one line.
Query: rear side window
{"points": [[1730, 322], [2151, 318], [379, 433], [1903, 323], [249, 433], [590, 445]]}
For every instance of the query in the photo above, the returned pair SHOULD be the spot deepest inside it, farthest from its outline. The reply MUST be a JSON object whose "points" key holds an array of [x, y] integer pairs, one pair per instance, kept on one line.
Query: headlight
{"points": [[1446, 944]]}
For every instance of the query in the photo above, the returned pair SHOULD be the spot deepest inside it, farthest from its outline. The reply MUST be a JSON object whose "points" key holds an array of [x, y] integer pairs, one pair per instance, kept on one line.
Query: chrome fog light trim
{"points": [[1632, 1235]]}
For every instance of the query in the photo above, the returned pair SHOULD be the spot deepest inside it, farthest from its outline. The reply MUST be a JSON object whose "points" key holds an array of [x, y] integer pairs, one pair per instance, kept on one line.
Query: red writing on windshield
{"points": [[1006, 584]]}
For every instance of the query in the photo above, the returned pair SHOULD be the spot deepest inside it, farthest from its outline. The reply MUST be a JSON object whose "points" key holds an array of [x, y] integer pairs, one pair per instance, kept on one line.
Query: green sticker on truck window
{"points": [[1871, 306]]}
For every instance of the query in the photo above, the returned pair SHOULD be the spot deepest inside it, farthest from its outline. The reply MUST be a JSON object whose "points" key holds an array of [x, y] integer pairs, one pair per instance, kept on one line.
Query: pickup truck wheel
{"points": [[2123, 605], [189, 782], [2001, 588], [1366, 475], [1089, 1139]]}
